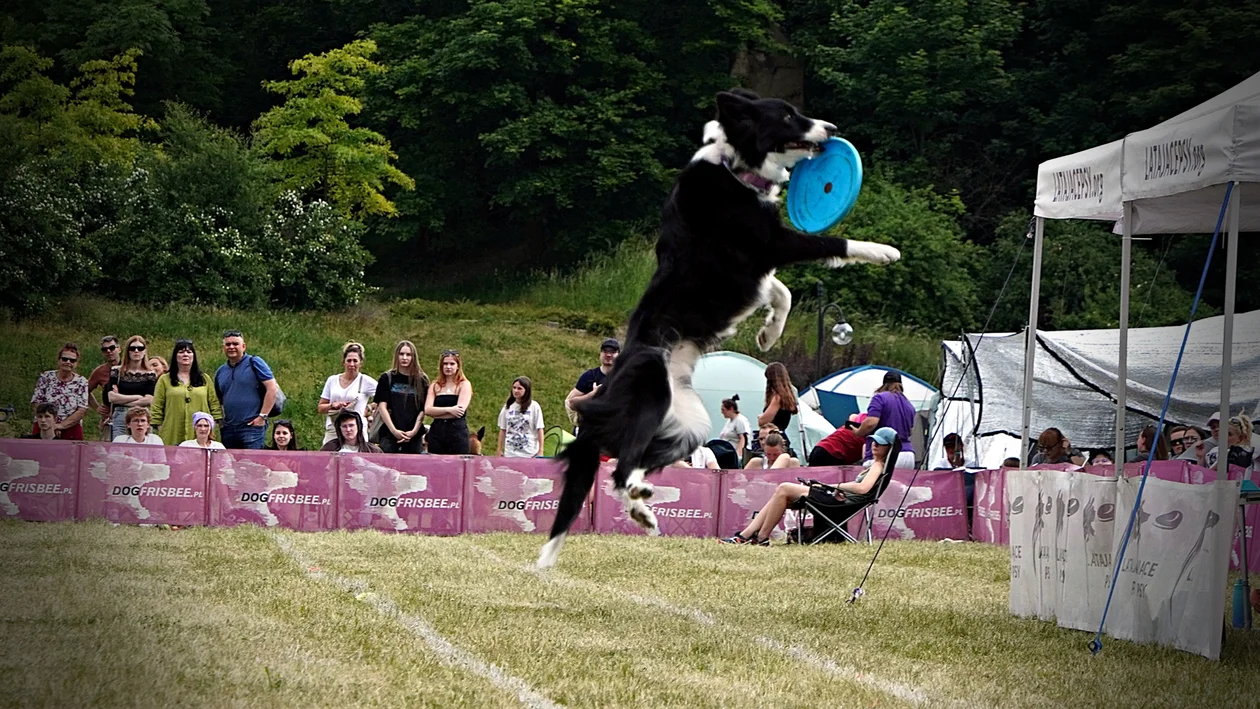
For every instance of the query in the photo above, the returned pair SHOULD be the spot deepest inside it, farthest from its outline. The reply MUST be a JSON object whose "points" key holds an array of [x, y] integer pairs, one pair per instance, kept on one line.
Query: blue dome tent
{"points": [[848, 391]]}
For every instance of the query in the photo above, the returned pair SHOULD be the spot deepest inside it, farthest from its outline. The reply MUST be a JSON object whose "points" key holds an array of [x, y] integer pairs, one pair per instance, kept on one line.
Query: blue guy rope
{"points": [[1096, 645]]}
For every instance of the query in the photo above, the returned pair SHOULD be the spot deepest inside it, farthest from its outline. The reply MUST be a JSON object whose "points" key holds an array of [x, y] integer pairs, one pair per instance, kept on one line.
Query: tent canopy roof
{"points": [[1174, 173]]}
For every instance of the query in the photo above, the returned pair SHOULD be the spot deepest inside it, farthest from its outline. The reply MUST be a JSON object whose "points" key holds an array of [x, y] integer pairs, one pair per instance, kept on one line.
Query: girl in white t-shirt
{"points": [[521, 423], [352, 389], [203, 427], [736, 430]]}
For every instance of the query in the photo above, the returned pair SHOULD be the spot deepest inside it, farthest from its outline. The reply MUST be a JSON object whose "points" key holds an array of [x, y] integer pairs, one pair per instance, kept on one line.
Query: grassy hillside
{"points": [[547, 328], [497, 344]]}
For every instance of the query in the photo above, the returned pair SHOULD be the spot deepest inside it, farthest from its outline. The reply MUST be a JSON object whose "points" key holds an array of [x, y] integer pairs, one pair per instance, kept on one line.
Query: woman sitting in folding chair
{"points": [[792, 495]]}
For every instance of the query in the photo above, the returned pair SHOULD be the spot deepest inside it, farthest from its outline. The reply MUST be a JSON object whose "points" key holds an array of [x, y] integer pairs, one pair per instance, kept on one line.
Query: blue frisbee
{"points": [[824, 188]]}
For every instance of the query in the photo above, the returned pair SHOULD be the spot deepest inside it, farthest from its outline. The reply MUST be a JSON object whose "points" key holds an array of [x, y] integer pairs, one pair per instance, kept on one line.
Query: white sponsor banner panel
{"points": [[38, 480], [516, 495], [1023, 488], [1171, 582], [1051, 541], [291, 489], [129, 483], [1089, 520]]}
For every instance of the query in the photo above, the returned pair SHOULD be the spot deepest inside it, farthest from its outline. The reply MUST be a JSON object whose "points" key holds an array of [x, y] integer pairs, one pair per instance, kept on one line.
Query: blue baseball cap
{"points": [[883, 436]]}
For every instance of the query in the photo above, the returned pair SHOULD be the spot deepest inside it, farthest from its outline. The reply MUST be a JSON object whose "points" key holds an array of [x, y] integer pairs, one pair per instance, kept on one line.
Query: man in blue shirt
{"points": [[247, 389]]}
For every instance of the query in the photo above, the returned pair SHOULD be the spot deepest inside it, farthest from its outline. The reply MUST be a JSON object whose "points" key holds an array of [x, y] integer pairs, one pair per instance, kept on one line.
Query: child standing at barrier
{"points": [[520, 423], [203, 428]]}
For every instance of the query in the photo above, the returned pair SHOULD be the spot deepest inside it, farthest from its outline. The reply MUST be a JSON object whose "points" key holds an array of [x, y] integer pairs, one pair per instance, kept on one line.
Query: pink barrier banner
{"points": [[744, 492], [686, 503], [515, 495], [401, 493], [296, 490], [137, 484], [1176, 471], [988, 517], [38, 479], [935, 507], [1251, 518]]}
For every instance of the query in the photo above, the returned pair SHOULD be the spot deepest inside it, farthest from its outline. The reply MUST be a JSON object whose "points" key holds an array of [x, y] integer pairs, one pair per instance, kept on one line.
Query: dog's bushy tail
{"points": [[581, 461]]}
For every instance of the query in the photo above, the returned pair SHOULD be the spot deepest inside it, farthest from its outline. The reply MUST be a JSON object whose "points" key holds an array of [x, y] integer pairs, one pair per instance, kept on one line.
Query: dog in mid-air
{"points": [[720, 243]]}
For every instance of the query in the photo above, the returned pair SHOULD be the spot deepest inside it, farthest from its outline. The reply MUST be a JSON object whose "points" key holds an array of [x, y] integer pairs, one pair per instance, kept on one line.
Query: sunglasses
{"points": [[232, 333], [450, 353], [71, 360], [108, 348], [136, 348]]}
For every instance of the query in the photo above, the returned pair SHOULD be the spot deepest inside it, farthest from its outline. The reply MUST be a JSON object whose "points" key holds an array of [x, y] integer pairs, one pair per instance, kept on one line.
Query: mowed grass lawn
{"points": [[95, 615]]}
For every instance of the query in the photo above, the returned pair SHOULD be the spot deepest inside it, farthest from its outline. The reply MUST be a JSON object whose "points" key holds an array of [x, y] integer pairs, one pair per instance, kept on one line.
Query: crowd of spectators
{"points": [[143, 399]]}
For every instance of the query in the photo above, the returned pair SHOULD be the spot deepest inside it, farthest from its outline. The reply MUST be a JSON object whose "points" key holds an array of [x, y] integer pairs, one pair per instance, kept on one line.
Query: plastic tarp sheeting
{"points": [[720, 374], [1074, 381]]}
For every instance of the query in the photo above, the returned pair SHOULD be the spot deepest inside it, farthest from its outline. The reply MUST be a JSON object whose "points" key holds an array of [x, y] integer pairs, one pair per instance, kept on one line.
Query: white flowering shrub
{"points": [[314, 256], [43, 254]]}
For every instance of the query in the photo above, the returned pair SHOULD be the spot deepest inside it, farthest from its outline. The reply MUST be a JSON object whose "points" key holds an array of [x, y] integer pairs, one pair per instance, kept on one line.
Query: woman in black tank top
{"points": [[447, 402], [780, 401]]}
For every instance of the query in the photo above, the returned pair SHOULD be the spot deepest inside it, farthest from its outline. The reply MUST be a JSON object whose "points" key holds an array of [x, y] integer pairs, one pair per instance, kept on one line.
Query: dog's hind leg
{"points": [[582, 465], [634, 500], [778, 303]]}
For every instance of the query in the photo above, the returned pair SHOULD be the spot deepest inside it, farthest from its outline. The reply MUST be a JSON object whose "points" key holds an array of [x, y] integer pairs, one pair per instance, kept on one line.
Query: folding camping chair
{"points": [[835, 517]]}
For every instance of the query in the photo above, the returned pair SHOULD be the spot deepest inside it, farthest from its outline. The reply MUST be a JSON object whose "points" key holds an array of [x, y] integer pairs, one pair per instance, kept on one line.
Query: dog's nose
{"points": [[831, 129]]}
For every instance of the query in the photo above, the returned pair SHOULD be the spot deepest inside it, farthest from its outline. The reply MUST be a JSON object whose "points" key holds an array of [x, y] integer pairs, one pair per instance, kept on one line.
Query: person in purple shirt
{"points": [[890, 407]]}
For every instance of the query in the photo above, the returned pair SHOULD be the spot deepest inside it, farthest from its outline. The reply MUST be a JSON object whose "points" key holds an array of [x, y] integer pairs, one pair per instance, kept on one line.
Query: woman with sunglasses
{"points": [[180, 393], [65, 389], [131, 384], [447, 402]]}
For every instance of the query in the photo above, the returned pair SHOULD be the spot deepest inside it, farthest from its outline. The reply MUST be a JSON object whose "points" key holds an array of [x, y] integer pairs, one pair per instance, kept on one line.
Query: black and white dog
{"points": [[721, 240]]}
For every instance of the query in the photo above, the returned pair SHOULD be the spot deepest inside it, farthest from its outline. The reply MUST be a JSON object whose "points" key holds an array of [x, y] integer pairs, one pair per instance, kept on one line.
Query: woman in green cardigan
{"points": [[180, 393]]}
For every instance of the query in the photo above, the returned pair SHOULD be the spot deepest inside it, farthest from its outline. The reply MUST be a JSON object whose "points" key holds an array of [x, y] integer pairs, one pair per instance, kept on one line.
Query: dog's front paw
{"points": [[869, 252]]}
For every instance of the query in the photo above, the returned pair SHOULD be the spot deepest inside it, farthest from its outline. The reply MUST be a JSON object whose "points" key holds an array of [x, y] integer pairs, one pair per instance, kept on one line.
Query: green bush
{"points": [[43, 254]]}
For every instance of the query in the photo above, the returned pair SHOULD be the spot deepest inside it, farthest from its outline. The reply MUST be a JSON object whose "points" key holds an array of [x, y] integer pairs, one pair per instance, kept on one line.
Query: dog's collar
{"points": [[750, 178]]}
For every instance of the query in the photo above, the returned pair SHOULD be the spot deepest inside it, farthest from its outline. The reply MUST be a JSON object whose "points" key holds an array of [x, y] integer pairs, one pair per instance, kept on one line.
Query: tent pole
{"points": [[1030, 344], [1227, 361], [1122, 367]]}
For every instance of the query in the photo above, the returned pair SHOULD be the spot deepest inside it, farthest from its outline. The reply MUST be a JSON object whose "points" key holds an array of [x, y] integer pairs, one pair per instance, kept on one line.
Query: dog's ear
{"points": [[732, 106], [481, 433]]}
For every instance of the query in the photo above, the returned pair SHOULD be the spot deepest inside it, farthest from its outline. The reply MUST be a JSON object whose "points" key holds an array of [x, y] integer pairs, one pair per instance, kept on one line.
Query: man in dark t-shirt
{"points": [[592, 379]]}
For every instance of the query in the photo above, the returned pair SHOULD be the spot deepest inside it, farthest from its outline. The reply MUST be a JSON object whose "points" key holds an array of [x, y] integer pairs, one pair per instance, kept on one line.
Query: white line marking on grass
{"points": [[419, 627], [899, 690]]}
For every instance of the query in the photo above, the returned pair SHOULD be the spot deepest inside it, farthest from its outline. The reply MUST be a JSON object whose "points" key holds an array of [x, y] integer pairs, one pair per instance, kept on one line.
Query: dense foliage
{"points": [[255, 152]]}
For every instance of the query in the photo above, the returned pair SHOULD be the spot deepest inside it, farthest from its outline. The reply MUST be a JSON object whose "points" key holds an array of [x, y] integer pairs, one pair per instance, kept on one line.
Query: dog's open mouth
{"points": [[806, 145]]}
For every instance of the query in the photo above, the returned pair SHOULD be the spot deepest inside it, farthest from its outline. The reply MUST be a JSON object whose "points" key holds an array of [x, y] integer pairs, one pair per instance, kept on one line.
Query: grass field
{"points": [[95, 615]]}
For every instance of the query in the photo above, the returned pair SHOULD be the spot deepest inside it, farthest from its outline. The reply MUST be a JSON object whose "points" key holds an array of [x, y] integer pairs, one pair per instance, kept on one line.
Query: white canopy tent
{"points": [[1171, 178]]}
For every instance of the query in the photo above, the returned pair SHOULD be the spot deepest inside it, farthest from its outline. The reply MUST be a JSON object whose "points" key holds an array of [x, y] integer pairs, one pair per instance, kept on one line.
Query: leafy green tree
{"points": [[317, 149], [1080, 279], [921, 86], [549, 126], [932, 287]]}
